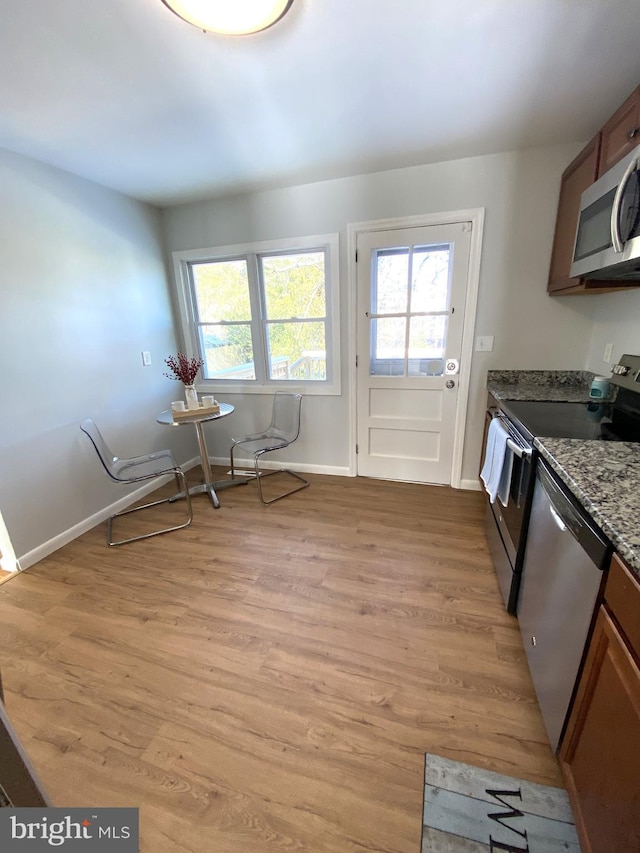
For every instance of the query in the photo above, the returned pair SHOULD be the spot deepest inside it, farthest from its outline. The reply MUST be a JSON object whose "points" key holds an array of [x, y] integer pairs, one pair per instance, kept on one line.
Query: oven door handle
{"points": [[521, 452]]}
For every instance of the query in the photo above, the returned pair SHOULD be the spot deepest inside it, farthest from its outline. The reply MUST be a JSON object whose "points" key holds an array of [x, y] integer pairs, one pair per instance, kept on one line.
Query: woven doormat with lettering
{"points": [[470, 810]]}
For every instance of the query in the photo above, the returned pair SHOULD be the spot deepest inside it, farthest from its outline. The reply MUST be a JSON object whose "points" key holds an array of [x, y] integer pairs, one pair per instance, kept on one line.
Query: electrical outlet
{"points": [[484, 343], [608, 352], [146, 358]]}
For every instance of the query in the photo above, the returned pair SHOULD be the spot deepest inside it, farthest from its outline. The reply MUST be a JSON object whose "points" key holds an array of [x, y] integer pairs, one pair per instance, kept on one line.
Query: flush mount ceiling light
{"points": [[230, 17]]}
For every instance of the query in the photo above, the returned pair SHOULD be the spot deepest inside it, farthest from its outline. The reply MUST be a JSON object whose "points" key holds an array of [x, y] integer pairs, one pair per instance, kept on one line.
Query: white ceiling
{"points": [[125, 93]]}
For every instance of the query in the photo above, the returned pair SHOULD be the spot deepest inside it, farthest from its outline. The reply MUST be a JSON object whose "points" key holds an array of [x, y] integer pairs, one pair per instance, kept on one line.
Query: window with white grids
{"points": [[263, 315]]}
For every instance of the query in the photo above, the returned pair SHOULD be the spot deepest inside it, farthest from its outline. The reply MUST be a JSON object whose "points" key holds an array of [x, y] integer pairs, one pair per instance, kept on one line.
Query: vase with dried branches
{"points": [[185, 369]]}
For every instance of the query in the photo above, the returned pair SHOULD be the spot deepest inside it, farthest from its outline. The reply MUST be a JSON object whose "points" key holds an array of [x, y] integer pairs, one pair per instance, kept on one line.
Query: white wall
{"points": [[83, 290], [616, 321], [519, 191]]}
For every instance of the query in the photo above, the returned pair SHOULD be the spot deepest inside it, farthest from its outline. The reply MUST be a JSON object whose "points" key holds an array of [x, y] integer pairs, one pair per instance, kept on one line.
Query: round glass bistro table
{"points": [[209, 485]]}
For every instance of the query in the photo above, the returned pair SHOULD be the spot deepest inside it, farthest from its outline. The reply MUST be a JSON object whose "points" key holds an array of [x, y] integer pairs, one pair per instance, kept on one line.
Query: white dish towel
{"points": [[498, 463]]}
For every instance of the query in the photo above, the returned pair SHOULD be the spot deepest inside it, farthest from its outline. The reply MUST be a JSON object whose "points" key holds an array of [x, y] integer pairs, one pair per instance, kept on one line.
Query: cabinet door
{"points": [[575, 180], [600, 755], [621, 134]]}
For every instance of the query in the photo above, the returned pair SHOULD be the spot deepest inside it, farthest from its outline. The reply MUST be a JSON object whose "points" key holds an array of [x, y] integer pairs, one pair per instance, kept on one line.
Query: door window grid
{"points": [[395, 351]]}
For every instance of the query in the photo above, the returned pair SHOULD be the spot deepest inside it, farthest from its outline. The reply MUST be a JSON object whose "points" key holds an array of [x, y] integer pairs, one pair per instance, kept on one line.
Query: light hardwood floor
{"points": [[270, 678]]}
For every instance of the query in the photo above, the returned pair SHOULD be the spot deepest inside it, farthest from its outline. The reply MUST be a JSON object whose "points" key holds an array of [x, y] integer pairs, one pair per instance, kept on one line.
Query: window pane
{"points": [[430, 284], [388, 346], [426, 367], [294, 286], [222, 291], [297, 351], [391, 285], [426, 345], [227, 352]]}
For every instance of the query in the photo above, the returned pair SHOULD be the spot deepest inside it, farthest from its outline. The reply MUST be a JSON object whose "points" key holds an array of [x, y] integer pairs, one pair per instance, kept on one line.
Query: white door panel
{"points": [[410, 313], [394, 404], [404, 444]]}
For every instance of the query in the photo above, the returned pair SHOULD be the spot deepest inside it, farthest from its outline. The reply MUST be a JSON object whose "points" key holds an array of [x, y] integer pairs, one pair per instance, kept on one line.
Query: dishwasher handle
{"points": [[570, 516], [557, 518]]}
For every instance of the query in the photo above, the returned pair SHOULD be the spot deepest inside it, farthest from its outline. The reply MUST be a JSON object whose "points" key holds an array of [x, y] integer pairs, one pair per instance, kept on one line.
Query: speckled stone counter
{"points": [[561, 386], [605, 478]]}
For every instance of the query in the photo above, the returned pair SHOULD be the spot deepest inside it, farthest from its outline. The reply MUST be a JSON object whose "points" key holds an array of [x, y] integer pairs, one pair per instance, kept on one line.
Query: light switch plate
{"points": [[608, 352], [146, 358], [484, 343]]}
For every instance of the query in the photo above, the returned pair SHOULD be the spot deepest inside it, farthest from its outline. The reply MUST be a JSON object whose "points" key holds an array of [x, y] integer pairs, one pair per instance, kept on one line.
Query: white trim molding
{"points": [[470, 485], [8, 559]]}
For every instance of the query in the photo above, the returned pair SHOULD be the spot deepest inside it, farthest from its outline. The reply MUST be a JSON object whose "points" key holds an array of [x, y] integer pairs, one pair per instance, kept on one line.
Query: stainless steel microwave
{"points": [[607, 244]]}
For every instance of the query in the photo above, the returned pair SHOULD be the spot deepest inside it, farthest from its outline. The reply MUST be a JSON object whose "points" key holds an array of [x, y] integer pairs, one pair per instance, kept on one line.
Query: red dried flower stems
{"points": [[183, 368]]}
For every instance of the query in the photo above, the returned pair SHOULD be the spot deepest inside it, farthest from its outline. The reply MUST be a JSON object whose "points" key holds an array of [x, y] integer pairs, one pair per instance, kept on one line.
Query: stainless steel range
{"points": [[619, 420]]}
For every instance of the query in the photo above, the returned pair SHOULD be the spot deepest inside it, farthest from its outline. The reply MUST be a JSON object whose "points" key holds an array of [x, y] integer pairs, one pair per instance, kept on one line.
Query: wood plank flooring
{"points": [[270, 678]]}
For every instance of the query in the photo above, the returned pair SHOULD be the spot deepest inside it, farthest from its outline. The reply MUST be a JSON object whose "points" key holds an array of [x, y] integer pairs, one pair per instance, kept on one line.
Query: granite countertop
{"points": [[604, 476], [560, 386]]}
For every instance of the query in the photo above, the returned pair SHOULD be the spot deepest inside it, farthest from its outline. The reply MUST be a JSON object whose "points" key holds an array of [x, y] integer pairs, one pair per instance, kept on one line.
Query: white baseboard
{"points": [[51, 545], [243, 462], [471, 485]]}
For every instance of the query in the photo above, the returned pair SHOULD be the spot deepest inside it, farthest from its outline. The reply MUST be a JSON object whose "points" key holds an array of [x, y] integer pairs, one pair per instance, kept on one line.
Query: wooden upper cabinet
{"points": [[621, 134], [577, 177]]}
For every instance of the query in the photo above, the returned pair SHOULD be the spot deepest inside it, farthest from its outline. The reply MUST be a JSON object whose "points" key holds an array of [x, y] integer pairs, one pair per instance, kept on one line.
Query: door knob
{"points": [[450, 383]]}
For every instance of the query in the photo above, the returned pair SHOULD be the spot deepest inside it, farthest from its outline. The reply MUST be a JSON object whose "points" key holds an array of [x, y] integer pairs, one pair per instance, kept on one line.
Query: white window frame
{"points": [[323, 242]]}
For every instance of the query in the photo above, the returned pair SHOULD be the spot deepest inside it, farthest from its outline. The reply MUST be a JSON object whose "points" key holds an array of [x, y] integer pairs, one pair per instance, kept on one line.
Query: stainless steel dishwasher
{"points": [[561, 577]]}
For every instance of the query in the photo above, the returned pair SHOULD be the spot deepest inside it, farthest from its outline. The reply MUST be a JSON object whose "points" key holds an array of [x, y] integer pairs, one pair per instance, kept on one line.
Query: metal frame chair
{"points": [[139, 469], [283, 430]]}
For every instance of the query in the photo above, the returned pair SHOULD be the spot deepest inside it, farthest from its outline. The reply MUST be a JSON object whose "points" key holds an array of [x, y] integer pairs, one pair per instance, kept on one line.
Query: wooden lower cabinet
{"points": [[600, 753]]}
